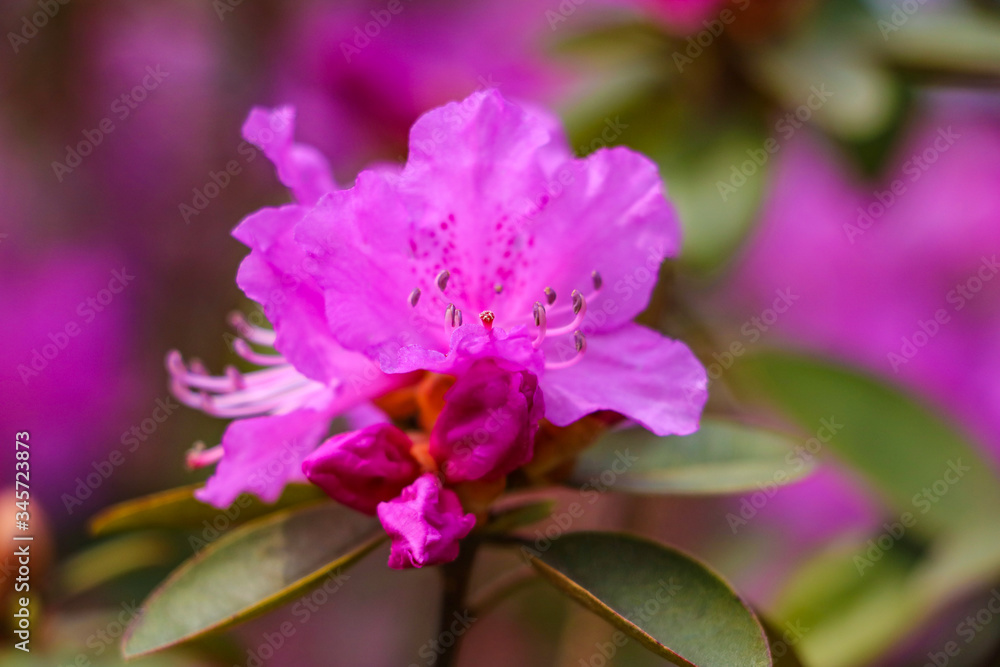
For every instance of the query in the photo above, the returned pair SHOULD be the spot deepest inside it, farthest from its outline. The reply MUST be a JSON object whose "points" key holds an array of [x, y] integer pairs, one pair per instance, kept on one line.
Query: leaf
{"points": [[672, 604], [178, 508], [104, 562], [249, 571], [782, 644], [912, 455], [519, 515], [721, 457]]}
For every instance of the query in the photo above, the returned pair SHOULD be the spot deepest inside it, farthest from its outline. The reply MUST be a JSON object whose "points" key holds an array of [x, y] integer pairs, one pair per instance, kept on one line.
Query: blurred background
{"points": [[836, 165]]}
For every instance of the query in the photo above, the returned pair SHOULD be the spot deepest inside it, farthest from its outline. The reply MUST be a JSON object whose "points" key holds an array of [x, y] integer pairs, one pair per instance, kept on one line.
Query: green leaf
{"points": [[249, 571], [519, 515], [782, 644], [178, 508], [669, 602], [912, 455], [721, 457]]}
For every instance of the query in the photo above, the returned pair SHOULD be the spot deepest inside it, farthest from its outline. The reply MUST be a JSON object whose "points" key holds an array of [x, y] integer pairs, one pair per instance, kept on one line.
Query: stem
{"points": [[456, 576]]}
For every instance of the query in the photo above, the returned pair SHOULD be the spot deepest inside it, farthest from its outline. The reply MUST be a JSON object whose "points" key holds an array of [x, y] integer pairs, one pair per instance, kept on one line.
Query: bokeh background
{"points": [[836, 165]]}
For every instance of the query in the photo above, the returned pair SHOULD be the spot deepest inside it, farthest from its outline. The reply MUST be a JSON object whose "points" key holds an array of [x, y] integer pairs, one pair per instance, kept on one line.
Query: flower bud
{"points": [[362, 468]]}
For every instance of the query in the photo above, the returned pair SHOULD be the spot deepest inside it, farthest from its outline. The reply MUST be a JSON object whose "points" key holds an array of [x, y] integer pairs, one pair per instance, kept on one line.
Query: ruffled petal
{"points": [[634, 371], [302, 169], [425, 524], [263, 454]]}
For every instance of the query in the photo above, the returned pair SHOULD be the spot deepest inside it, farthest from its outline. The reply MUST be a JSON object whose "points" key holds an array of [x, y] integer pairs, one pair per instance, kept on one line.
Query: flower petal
{"points": [[272, 275], [425, 524], [635, 371], [302, 169], [263, 454]]}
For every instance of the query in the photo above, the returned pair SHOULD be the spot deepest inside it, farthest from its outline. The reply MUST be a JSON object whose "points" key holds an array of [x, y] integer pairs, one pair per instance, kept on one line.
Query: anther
{"points": [[597, 279], [458, 318], [580, 343], [538, 312], [498, 288], [578, 302], [449, 316], [550, 295], [414, 297], [442, 279]]}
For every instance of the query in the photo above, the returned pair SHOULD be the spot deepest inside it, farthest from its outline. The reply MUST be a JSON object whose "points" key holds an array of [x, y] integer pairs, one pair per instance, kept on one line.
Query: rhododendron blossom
{"points": [[488, 284]]}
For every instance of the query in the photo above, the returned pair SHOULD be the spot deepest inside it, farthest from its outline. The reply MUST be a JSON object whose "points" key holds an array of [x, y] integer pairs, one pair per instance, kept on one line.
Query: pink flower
{"points": [[425, 524], [368, 288], [488, 425]]}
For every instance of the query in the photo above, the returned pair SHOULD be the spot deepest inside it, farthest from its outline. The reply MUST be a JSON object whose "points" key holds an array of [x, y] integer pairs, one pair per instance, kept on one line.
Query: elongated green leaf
{"points": [[923, 464], [178, 508], [250, 571], [722, 457], [672, 604]]}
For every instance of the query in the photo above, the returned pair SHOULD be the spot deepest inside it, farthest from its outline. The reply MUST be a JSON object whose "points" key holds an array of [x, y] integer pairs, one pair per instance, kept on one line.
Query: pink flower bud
{"points": [[362, 468]]}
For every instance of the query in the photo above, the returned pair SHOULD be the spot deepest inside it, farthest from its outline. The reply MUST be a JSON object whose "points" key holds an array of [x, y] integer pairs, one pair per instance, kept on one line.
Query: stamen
{"points": [[487, 317], [414, 297], [458, 318], [449, 316], [580, 343], [579, 309], [498, 288], [243, 349], [598, 281], [199, 456], [235, 377], [538, 312], [252, 333], [442, 279], [550, 295]]}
